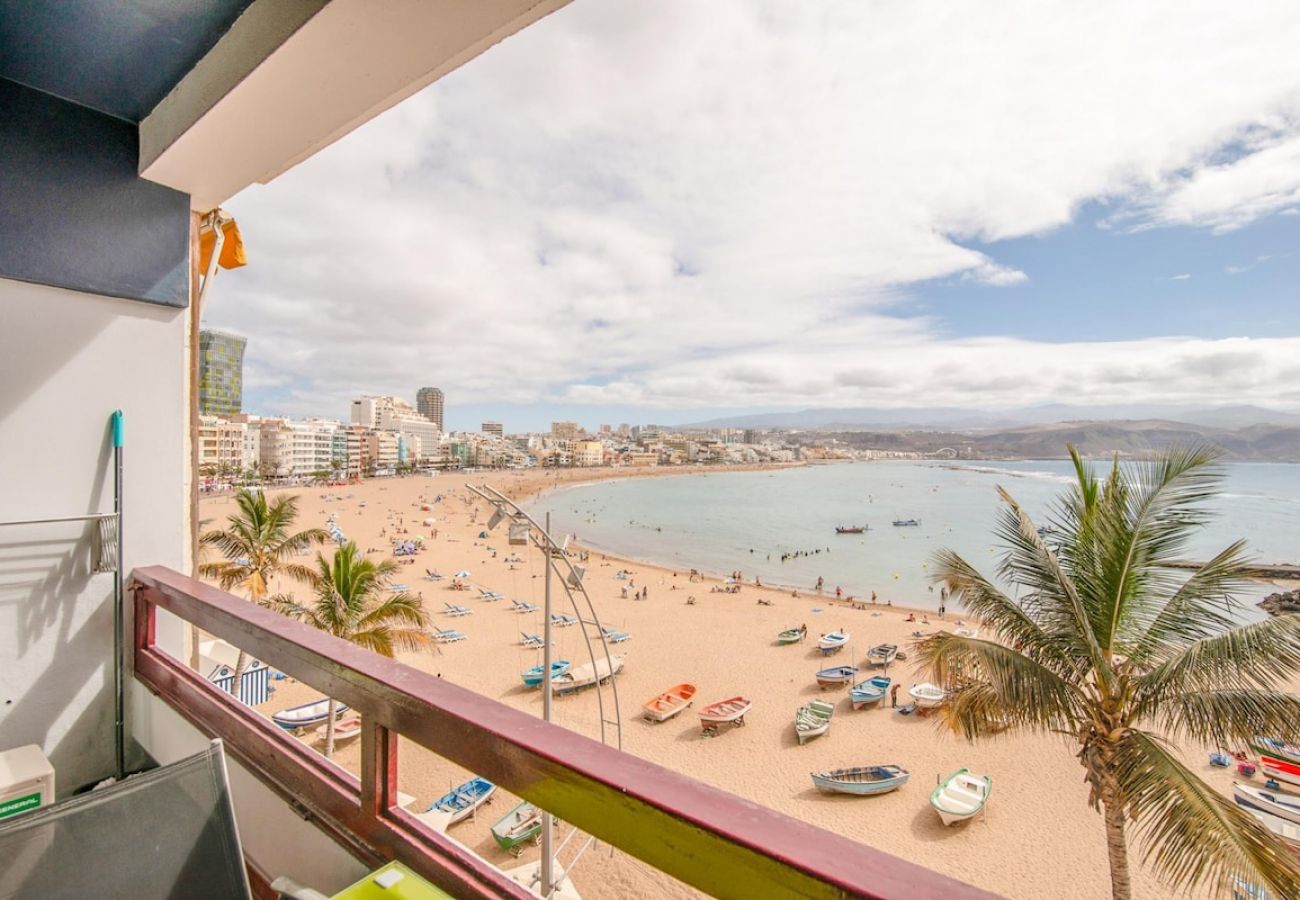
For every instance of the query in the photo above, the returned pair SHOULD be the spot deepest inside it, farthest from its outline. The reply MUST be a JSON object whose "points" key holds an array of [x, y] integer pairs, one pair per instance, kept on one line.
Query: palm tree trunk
{"points": [[240, 665], [1121, 887], [329, 728]]}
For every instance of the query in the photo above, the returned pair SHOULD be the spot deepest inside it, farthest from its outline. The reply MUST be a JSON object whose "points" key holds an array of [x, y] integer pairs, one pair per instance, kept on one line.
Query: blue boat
{"points": [[836, 675], [312, 713], [870, 691], [861, 780], [465, 799], [533, 677]]}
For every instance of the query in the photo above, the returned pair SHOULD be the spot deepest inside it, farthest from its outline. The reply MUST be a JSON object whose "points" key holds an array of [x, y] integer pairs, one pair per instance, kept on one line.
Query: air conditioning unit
{"points": [[26, 780]]}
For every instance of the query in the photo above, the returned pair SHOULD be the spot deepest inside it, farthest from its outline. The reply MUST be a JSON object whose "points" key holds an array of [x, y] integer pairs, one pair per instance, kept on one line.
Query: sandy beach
{"points": [[1037, 839]]}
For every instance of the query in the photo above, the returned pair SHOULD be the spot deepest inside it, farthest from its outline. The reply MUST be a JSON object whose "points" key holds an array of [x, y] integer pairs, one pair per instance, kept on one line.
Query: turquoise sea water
{"points": [[713, 521]]}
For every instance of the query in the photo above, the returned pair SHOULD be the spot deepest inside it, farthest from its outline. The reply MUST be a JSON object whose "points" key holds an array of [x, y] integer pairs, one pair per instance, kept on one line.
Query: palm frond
{"points": [[1227, 718], [397, 608], [1191, 834], [1200, 607], [993, 688], [1256, 655]]}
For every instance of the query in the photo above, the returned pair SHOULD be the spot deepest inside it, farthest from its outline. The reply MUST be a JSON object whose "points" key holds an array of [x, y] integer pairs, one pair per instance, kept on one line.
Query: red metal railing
{"points": [[713, 840]]}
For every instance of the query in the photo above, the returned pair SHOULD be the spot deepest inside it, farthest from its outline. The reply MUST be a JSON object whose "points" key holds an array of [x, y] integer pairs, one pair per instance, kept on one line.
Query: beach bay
{"points": [[1039, 837]]}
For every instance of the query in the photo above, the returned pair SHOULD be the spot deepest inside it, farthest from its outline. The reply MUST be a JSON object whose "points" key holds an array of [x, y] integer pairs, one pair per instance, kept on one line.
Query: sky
{"points": [[660, 212]]}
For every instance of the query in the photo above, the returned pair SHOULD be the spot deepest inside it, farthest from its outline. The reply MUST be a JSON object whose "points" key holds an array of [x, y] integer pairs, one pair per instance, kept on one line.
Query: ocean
{"points": [[748, 521]]}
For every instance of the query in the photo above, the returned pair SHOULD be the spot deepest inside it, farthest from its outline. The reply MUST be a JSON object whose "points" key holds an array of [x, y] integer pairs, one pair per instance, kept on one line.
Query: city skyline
{"points": [[708, 231]]}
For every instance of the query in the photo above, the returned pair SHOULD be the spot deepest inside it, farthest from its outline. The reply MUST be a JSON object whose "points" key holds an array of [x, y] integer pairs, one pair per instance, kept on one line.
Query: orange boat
{"points": [[724, 712], [669, 703]]}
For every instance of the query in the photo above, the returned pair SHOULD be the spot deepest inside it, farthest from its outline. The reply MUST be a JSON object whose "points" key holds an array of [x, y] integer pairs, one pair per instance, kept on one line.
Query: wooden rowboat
{"points": [[927, 696], [836, 676], [725, 712], [587, 674], [344, 729], [1287, 832], [870, 691], [462, 801], [517, 827], [669, 703], [313, 713], [792, 635], [861, 780], [813, 719], [961, 796], [835, 641], [533, 677], [882, 654]]}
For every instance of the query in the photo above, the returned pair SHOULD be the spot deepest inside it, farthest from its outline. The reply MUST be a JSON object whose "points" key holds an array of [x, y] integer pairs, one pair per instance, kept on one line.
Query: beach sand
{"points": [[1038, 838]]}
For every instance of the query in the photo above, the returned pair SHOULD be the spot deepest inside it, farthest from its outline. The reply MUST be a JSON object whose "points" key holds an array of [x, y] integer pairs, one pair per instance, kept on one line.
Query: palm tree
{"points": [[258, 545], [349, 604], [1112, 647]]}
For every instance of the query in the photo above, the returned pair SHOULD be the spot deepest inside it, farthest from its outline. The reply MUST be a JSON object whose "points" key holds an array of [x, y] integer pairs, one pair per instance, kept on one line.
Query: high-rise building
{"points": [[494, 428], [429, 400], [221, 373], [564, 431]]}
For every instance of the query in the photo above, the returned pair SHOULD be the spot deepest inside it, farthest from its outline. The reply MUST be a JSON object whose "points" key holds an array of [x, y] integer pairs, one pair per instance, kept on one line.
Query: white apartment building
{"points": [[421, 435], [226, 447], [313, 446], [382, 449]]}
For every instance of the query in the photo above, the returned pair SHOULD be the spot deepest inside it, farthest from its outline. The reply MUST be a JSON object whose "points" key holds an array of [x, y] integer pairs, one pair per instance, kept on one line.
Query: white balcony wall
{"points": [[67, 360]]}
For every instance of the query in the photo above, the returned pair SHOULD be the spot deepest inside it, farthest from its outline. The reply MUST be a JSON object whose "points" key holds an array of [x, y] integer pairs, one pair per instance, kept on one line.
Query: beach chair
{"points": [[432, 575], [530, 640], [456, 610], [490, 596], [562, 620], [446, 635], [523, 607], [399, 588], [616, 637]]}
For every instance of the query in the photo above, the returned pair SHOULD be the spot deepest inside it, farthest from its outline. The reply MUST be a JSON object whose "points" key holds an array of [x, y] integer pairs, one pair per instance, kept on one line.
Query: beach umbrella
{"points": [[430, 521], [463, 573]]}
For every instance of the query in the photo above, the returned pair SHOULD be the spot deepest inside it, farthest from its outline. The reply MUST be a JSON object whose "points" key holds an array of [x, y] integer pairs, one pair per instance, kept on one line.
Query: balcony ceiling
{"points": [[120, 57]]}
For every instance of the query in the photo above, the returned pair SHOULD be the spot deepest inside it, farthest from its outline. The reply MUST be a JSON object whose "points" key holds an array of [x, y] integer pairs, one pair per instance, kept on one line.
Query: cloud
{"points": [[1183, 277], [685, 204]]}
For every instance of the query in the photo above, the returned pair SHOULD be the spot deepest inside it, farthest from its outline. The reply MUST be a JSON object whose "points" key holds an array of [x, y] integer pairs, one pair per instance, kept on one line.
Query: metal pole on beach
{"points": [[547, 836]]}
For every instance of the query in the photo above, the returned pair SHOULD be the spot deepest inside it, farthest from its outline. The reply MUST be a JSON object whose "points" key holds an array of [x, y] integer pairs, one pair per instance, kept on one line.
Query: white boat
{"points": [[1287, 832], [927, 696], [961, 796], [587, 674], [312, 713], [1284, 806], [829, 643], [971, 633], [882, 654], [725, 712], [813, 719]]}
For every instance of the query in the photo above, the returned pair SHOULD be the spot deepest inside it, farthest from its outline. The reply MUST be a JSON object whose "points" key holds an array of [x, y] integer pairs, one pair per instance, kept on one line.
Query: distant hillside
{"points": [[1258, 443], [951, 418]]}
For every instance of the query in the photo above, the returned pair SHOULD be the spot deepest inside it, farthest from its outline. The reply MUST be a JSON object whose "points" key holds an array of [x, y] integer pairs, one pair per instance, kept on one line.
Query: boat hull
{"points": [[869, 692], [669, 703], [725, 712], [927, 696], [837, 676], [299, 716], [861, 781], [464, 800], [961, 796], [813, 720], [1280, 769], [791, 636], [533, 677], [517, 827], [1277, 749], [1283, 806]]}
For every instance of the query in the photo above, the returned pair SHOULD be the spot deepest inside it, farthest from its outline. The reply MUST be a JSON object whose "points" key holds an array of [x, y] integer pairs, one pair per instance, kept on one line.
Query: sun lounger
{"points": [[530, 640], [561, 620], [616, 637], [432, 575], [447, 636], [490, 595], [454, 610], [521, 606]]}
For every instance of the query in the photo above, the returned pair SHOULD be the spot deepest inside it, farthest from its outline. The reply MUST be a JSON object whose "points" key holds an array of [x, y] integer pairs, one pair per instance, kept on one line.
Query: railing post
{"points": [[145, 615], [378, 768]]}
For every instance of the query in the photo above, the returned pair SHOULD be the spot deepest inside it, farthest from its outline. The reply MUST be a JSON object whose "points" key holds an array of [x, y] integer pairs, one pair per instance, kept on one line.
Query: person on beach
{"points": [[873, 598], [893, 696], [839, 594], [820, 583]]}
